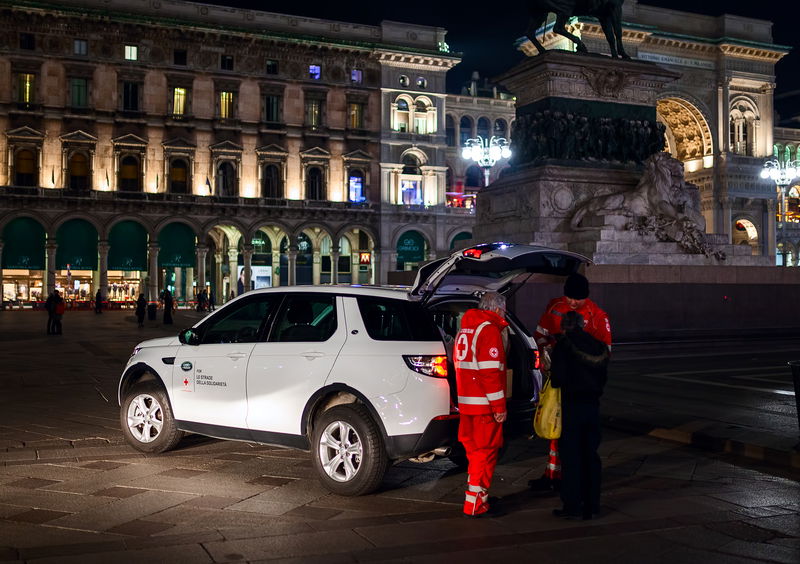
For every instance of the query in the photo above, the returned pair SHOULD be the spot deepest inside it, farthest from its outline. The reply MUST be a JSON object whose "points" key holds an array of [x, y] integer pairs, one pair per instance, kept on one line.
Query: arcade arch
{"points": [[688, 136]]}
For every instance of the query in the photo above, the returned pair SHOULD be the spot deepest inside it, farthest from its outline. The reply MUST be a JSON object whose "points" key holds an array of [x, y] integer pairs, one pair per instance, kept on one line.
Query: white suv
{"points": [[359, 376]]}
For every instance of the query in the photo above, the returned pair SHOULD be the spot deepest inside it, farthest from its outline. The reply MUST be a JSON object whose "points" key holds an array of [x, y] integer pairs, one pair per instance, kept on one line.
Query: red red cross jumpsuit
{"points": [[597, 325], [480, 377]]}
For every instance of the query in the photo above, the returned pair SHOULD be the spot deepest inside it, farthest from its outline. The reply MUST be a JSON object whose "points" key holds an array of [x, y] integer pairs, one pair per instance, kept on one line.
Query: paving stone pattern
{"points": [[72, 492]]}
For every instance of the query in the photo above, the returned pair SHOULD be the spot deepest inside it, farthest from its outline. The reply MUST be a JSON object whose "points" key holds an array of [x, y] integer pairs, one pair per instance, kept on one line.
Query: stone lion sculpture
{"points": [[662, 203]]}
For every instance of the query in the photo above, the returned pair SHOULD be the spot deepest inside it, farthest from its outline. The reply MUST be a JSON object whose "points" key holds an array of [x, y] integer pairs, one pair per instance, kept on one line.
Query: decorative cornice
{"points": [[398, 59]]}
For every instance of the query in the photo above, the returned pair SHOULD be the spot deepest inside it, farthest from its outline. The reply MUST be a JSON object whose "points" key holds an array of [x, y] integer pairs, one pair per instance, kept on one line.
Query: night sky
{"points": [[485, 35]]}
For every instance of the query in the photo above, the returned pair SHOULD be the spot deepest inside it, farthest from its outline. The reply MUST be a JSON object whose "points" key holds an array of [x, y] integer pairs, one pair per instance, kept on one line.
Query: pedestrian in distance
{"points": [[211, 299], [580, 368], [481, 381], [59, 307], [141, 307], [575, 298], [168, 304], [50, 305], [233, 294], [98, 302]]}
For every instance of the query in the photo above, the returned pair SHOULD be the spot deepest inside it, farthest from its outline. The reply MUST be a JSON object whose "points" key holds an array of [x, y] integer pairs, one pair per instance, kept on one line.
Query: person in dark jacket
{"points": [[141, 307], [98, 302], [580, 368], [168, 304], [50, 306]]}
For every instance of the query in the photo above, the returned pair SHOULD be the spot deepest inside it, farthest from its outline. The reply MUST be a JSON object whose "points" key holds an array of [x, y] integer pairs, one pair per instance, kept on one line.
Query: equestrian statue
{"points": [[607, 12]]}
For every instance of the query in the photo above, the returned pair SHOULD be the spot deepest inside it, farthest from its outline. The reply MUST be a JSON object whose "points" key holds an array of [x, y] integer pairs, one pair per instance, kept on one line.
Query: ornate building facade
{"points": [[153, 145]]}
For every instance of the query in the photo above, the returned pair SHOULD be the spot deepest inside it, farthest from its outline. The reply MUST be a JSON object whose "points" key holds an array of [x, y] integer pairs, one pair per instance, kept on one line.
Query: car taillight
{"points": [[473, 253], [434, 366], [537, 361]]}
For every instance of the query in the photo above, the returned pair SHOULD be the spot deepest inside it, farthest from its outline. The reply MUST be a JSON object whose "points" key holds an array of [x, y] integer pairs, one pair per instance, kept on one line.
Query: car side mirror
{"points": [[189, 337]]}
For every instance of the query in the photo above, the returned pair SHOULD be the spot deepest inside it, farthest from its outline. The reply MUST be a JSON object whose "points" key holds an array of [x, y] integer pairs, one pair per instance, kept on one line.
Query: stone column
{"points": [[153, 249], [51, 247], [375, 262], [102, 250], [316, 265], [179, 285], [200, 253], [276, 264], [220, 297], [335, 265], [247, 256], [233, 262], [190, 283], [292, 255], [769, 242]]}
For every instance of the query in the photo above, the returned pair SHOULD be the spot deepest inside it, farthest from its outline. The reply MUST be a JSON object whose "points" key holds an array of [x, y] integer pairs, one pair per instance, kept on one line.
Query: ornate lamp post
{"points": [[486, 152], [782, 174]]}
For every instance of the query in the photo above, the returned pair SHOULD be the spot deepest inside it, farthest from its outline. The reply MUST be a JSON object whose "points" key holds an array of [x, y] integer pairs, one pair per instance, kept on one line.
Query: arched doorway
{"points": [[176, 259], [463, 236], [24, 261], [76, 260], [127, 260], [688, 136], [304, 264], [412, 248]]}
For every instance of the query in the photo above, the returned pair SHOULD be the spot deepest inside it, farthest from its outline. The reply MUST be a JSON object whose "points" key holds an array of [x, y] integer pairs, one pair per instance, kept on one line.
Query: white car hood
{"points": [[160, 342]]}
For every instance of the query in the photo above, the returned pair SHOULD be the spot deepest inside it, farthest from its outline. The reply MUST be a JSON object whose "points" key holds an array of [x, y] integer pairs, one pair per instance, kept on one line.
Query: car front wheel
{"points": [[348, 450], [146, 419]]}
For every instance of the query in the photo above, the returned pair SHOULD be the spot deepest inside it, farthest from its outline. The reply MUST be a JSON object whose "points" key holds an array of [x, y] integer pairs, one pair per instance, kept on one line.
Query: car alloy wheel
{"points": [[340, 451], [145, 418]]}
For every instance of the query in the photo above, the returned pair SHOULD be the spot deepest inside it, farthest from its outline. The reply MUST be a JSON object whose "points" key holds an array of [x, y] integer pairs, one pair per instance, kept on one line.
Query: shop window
{"points": [[27, 41], [179, 97], [226, 180], [314, 72], [26, 88], [272, 66], [80, 47], [179, 57], [273, 104], [313, 113], [131, 53], [355, 115], [356, 76], [226, 105], [129, 174], [178, 176], [130, 96], [355, 183], [315, 184], [79, 92], [25, 168], [78, 172], [226, 62], [271, 182]]}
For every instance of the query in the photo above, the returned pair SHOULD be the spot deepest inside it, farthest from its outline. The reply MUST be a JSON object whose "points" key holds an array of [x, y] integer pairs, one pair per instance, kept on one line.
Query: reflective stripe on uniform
{"points": [[470, 498], [472, 400], [551, 466], [542, 330], [472, 488], [496, 395], [482, 365]]}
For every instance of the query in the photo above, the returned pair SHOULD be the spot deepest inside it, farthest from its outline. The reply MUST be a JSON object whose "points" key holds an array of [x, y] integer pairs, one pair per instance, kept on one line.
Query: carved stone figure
{"points": [[662, 203], [607, 12]]}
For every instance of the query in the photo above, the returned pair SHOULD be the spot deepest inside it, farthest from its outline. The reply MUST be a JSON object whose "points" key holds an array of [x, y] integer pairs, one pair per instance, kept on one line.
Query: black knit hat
{"points": [[576, 287]]}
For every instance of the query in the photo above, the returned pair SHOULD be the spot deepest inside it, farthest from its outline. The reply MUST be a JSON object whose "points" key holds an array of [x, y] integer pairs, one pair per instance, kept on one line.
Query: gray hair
{"points": [[492, 301]]}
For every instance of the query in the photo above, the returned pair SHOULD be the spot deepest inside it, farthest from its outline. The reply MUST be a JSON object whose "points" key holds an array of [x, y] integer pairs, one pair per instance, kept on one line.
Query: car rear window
{"points": [[397, 320]]}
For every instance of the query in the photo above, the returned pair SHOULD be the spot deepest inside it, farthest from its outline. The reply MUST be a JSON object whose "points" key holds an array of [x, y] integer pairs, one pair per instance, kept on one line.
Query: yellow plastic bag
{"points": [[547, 419]]}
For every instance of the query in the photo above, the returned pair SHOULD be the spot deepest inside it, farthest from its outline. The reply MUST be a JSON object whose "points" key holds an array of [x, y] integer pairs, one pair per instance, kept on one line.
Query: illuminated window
{"points": [[178, 101], [272, 66], [411, 193], [314, 72], [226, 62], [129, 174], [26, 92], [226, 105], [355, 115], [420, 118], [356, 186], [79, 92], [313, 113], [272, 108], [401, 116], [356, 76], [179, 57], [80, 47], [130, 96], [131, 53]]}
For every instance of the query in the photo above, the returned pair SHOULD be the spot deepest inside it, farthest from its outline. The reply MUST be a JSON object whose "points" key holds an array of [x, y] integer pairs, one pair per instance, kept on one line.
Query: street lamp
{"points": [[486, 152], [782, 174]]}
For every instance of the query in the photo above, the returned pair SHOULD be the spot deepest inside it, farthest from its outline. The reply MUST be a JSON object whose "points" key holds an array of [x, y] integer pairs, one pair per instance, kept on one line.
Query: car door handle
{"points": [[236, 355], [311, 355]]}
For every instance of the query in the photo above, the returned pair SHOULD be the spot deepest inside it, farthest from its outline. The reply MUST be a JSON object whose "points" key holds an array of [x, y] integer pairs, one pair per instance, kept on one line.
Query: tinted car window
{"points": [[239, 323], [306, 317], [396, 320]]}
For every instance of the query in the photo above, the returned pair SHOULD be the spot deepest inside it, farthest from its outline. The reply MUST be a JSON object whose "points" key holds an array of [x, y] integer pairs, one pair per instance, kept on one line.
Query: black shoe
{"points": [[569, 515]]}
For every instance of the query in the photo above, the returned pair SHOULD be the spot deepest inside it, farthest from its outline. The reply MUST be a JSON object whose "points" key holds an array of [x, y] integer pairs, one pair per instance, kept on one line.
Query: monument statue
{"points": [[608, 13], [662, 203]]}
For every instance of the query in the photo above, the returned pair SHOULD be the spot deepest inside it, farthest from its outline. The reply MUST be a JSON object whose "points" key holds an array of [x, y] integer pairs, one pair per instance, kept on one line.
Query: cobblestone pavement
{"points": [[72, 491]]}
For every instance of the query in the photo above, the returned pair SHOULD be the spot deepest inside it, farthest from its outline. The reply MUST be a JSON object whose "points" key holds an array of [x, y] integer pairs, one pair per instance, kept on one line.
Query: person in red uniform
{"points": [[481, 380], [575, 298]]}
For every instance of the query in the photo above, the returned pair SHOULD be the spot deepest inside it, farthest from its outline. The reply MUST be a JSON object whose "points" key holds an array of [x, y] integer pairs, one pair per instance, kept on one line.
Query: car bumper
{"points": [[438, 433]]}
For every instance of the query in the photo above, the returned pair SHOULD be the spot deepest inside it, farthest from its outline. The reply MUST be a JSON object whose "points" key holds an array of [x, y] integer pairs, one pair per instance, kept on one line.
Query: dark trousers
{"points": [[580, 463], [56, 324]]}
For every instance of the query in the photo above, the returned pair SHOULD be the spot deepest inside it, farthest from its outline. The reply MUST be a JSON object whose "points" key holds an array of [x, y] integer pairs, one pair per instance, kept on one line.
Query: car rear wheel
{"points": [[348, 450], [146, 419]]}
